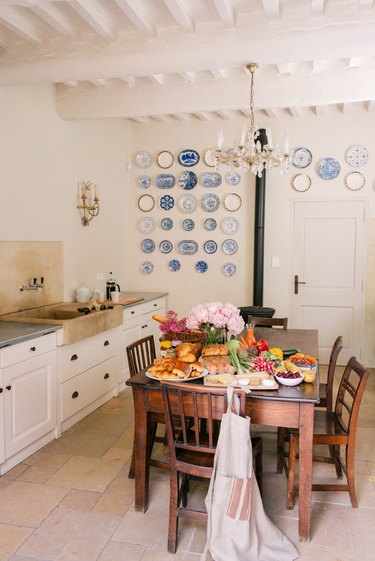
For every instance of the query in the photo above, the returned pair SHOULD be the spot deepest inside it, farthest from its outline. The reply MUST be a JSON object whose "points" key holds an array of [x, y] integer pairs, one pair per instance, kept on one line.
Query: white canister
{"points": [[82, 294]]}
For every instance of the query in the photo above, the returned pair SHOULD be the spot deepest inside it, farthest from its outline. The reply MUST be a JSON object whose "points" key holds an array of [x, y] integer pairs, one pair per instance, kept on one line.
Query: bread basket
{"points": [[192, 336]]}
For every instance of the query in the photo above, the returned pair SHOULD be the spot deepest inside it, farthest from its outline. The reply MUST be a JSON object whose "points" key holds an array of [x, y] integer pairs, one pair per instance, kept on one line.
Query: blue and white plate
{"points": [[210, 224], [301, 158], [230, 225], [146, 225], [147, 267], [144, 181], [166, 223], [174, 265], [232, 178], [229, 269], [188, 158], [143, 159], [187, 247], [188, 180], [211, 179], [210, 202], [188, 224], [201, 266], [187, 203], [165, 246], [356, 156], [165, 181], [148, 245], [329, 168], [230, 247], [166, 202], [210, 246]]}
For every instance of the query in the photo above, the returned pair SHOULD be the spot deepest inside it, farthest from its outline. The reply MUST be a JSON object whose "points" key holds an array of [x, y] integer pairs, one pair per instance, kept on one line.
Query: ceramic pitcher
{"points": [[82, 294]]}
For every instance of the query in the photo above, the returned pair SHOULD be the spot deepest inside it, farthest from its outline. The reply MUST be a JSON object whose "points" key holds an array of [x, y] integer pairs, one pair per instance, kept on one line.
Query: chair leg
{"points": [[336, 455], [173, 518], [184, 490], [350, 475], [291, 471], [131, 473], [280, 448]]}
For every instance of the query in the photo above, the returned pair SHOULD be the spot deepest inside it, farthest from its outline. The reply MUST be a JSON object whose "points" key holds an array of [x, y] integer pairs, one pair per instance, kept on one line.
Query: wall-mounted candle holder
{"points": [[88, 201]]}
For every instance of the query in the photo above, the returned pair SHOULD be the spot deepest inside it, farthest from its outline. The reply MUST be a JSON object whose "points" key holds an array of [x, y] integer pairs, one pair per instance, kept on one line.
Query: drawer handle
{"points": [[33, 349], [1, 390], [106, 376], [8, 388], [74, 357], [132, 312], [155, 305], [75, 395], [106, 343]]}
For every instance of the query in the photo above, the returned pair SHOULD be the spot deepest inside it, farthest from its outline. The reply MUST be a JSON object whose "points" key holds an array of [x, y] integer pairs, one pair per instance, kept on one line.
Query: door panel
{"points": [[328, 259]]}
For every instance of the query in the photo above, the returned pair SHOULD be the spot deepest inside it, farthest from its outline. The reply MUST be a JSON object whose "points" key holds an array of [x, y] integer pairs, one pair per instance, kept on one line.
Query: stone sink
{"points": [[76, 325]]}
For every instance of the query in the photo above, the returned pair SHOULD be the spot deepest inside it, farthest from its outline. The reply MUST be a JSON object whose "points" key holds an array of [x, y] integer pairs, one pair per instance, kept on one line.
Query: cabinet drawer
{"points": [[144, 308], [27, 349], [85, 354], [154, 305], [87, 387]]}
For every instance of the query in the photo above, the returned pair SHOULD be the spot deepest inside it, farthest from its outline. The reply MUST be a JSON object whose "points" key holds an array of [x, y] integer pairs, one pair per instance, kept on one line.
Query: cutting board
{"points": [[123, 301], [260, 376]]}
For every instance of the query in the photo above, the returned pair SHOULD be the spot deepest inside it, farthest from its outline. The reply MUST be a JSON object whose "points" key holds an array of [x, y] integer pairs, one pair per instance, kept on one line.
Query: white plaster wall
{"points": [[328, 135], [42, 159]]}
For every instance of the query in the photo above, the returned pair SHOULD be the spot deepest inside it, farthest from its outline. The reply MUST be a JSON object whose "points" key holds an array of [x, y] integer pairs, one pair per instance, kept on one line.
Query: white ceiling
{"points": [[184, 59]]}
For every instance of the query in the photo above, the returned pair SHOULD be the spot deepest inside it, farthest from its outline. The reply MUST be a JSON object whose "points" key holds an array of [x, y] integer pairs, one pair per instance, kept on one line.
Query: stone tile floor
{"points": [[72, 500]]}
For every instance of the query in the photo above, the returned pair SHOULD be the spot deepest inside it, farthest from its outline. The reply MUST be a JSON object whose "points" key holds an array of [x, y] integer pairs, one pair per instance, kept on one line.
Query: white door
{"points": [[328, 259]]}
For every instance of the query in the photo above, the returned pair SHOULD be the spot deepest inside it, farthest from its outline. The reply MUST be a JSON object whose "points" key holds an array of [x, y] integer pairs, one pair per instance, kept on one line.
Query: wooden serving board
{"points": [[123, 301], [259, 376]]}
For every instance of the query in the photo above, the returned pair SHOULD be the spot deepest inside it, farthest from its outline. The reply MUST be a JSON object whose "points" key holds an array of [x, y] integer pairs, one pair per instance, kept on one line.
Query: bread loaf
{"points": [[188, 352], [213, 350]]}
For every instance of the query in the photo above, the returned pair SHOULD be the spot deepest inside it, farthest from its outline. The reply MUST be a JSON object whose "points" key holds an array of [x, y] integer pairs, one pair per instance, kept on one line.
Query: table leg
{"points": [[142, 464], [306, 430]]}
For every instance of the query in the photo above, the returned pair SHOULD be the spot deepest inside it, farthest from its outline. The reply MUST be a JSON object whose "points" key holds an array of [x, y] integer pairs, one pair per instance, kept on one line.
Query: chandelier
{"points": [[255, 151]]}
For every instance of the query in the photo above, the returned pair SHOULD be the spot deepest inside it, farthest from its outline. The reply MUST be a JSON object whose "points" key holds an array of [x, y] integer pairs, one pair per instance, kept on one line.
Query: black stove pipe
{"points": [[260, 204]]}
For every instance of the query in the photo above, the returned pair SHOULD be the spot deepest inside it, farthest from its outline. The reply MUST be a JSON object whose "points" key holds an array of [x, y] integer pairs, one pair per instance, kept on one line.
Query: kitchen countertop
{"points": [[15, 332], [143, 297]]}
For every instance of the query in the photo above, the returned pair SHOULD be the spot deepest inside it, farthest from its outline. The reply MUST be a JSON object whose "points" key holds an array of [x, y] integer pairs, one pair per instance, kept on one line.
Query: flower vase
{"points": [[215, 335]]}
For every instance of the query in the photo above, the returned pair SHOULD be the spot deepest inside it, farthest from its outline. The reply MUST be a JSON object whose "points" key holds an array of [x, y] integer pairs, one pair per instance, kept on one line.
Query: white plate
{"points": [[187, 203], [165, 159], [301, 158], [210, 202], [146, 203], [147, 267], [232, 178], [229, 269], [232, 202], [354, 180], [230, 225], [147, 245], [301, 182], [146, 225], [209, 158], [143, 159], [204, 373], [356, 156], [230, 247]]}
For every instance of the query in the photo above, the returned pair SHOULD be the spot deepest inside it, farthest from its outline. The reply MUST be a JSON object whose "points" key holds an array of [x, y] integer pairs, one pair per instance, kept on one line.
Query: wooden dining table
{"points": [[291, 407]]}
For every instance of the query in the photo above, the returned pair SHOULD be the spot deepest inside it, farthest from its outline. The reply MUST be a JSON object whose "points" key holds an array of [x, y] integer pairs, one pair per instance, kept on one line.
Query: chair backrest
{"points": [[269, 322], [186, 405], [141, 354], [336, 350], [349, 396]]}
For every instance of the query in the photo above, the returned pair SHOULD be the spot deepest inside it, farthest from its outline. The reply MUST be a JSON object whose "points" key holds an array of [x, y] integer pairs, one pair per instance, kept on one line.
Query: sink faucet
{"points": [[34, 285]]}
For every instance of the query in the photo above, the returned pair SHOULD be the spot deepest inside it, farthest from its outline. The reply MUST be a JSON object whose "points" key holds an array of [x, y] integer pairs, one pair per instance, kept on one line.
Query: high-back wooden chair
{"points": [[268, 322], [326, 389], [141, 355], [191, 450], [335, 429]]}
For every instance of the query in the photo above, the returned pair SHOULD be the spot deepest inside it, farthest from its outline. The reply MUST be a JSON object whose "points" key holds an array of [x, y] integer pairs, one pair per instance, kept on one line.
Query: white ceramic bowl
{"points": [[289, 381]]}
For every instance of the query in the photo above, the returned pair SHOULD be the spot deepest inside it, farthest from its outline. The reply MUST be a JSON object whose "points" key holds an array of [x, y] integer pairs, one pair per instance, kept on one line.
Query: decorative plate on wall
{"points": [[146, 203], [211, 179], [148, 245], [230, 225], [210, 246], [166, 202], [144, 181], [301, 182], [188, 224], [229, 269], [232, 178], [210, 224], [356, 156], [165, 181], [230, 247], [174, 265], [166, 223], [209, 158], [147, 267], [301, 158], [143, 159], [165, 159], [187, 247], [187, 203], [328, 168], [188, 158], [354, 180], [146, 225], [232, 202], [201, 266], [188, 180], [210, 202], [165, 246]]}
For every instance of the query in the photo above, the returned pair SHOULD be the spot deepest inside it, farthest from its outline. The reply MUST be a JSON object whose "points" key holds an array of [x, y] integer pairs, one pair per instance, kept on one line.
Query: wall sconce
{"points": [[87, 204]]}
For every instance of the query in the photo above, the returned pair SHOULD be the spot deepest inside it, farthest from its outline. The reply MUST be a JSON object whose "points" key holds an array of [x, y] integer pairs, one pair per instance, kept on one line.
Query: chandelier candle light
{"points": [[87, 204], [253, 154]]}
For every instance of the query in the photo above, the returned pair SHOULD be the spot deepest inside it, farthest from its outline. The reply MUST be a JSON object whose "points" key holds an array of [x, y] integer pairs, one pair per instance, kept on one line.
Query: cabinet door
{"points": [[2, 447], [29, 401]]}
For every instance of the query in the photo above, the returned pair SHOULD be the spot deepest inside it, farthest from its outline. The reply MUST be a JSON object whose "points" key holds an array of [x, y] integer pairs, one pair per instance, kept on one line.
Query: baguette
{"points": [[159, 318]]}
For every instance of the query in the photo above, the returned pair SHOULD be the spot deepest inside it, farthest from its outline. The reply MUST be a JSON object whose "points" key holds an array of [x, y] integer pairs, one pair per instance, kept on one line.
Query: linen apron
{"points": [[238, 529]]}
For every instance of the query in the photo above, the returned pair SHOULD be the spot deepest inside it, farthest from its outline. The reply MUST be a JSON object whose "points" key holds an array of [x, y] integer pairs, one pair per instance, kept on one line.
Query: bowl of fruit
{"points": [[289, 378]]}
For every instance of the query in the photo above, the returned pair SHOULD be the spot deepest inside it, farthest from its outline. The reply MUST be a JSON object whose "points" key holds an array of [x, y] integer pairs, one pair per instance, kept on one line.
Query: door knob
{"points": [[296, 283]]}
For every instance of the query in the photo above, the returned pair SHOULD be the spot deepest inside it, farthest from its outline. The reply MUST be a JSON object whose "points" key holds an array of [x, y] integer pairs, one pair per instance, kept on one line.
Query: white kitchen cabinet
{"points": [[138, 323], [28, 417], [89, 374]]}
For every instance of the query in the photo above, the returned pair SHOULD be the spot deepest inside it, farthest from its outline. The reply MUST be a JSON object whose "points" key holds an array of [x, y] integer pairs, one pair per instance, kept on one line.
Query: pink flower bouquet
{"points": [[214, 318]]}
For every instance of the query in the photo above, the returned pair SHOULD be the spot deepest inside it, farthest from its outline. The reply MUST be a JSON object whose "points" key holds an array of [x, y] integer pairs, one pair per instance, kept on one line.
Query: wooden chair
{"points": [[334, 428], [268, 322], [141, 354], [326, 389], [191, 451]]}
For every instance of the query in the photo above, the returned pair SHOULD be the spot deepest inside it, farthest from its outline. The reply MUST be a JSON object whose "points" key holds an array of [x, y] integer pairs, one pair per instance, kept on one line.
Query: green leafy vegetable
{"points": [[238, 362]]}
